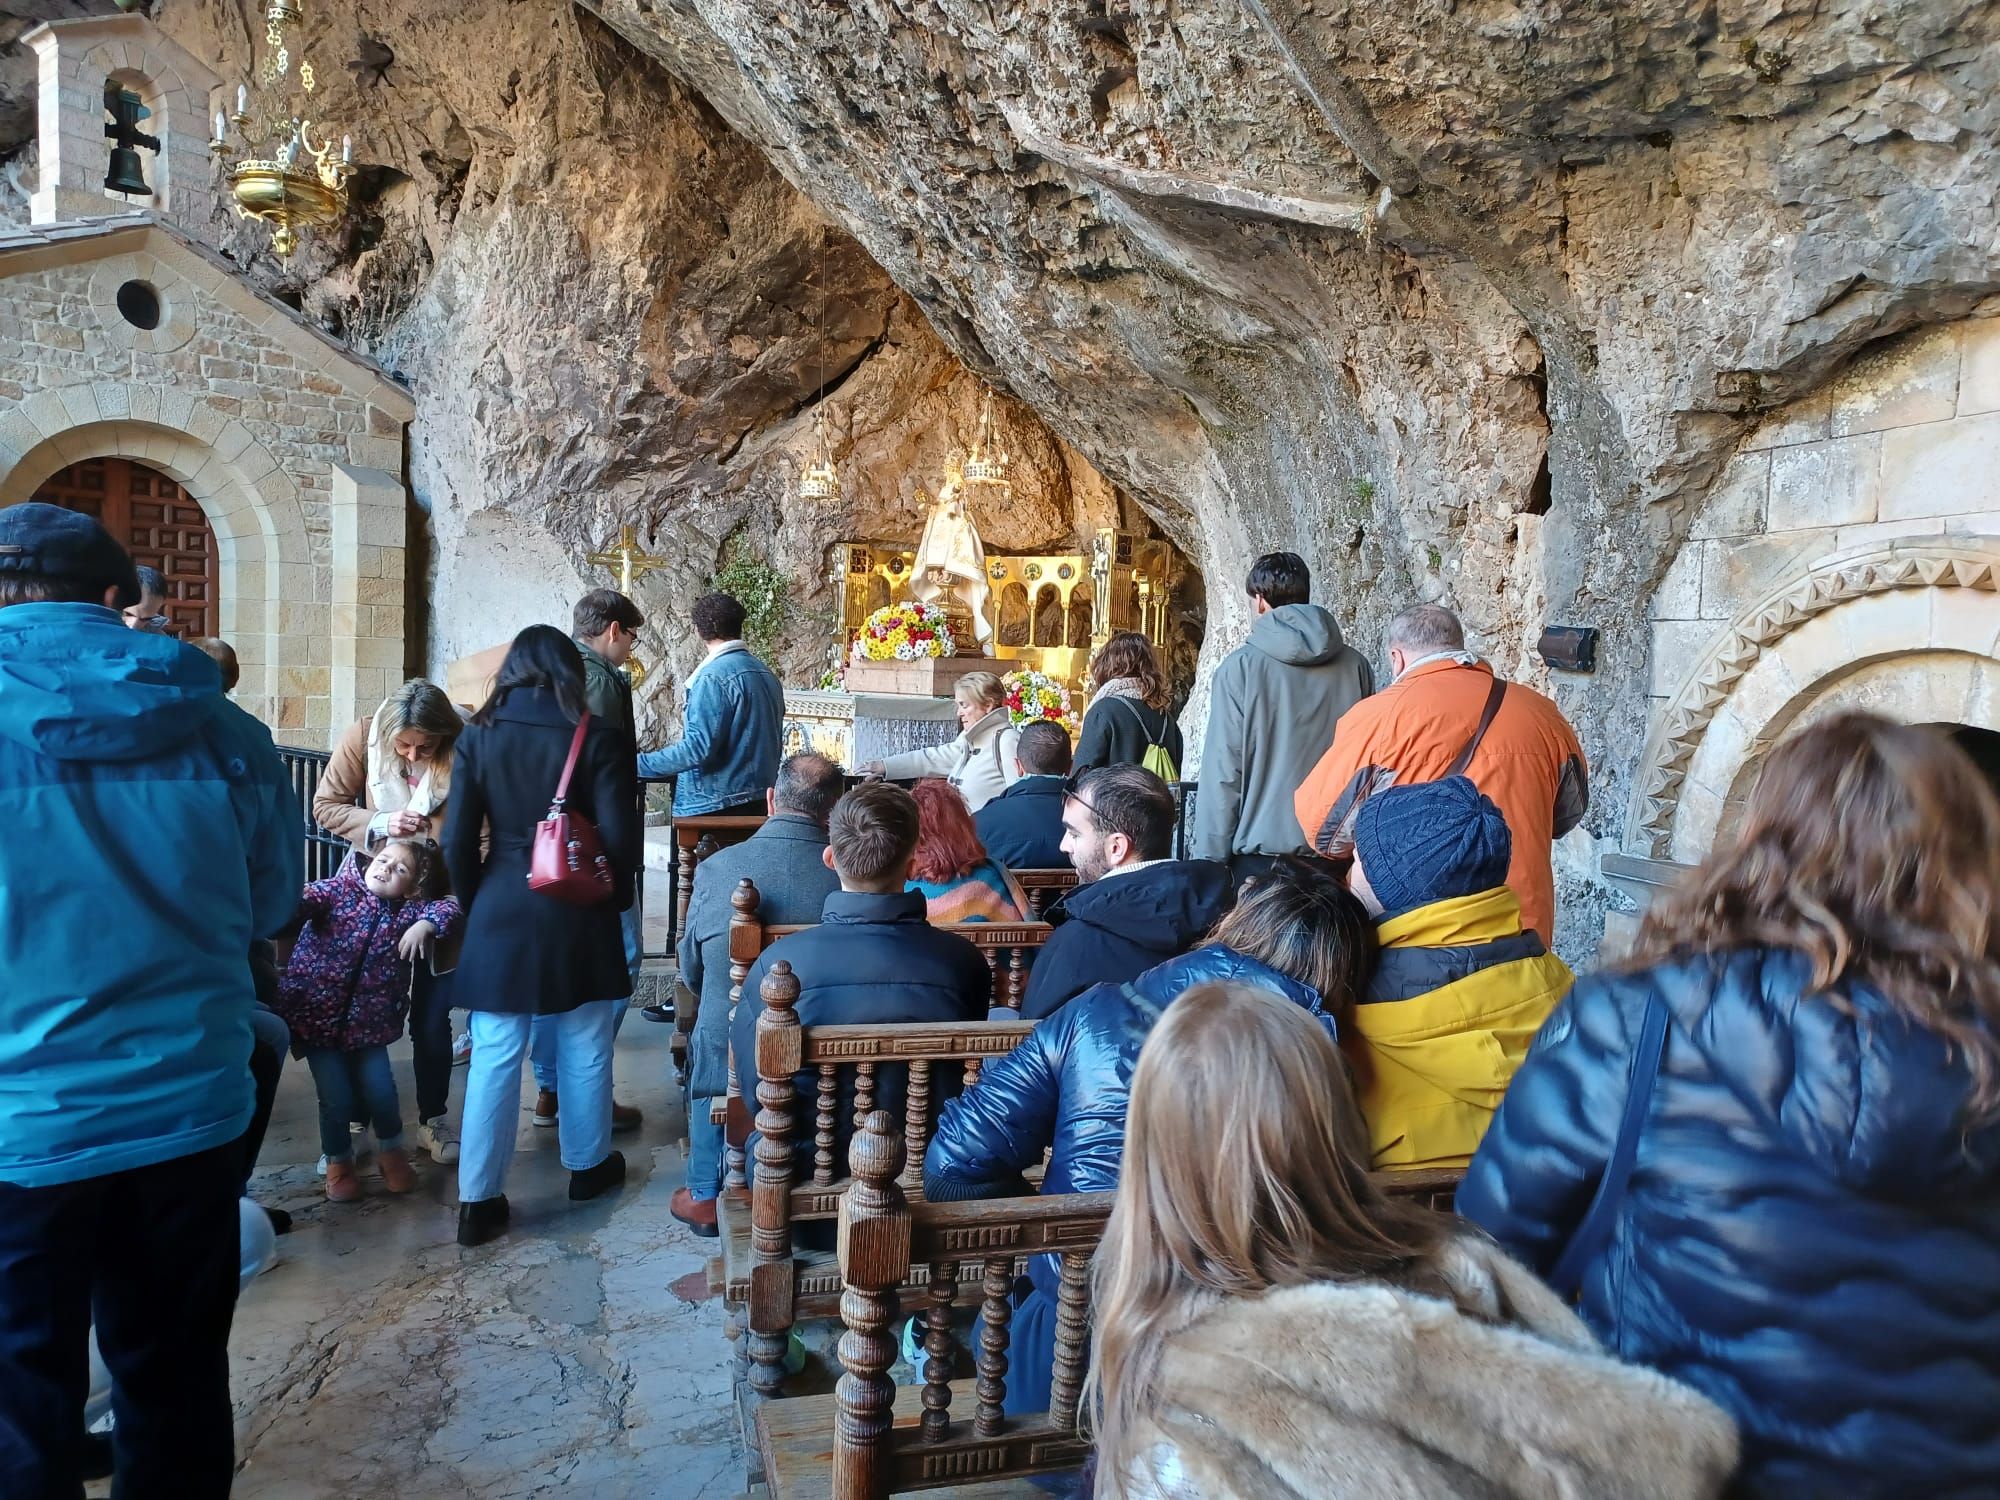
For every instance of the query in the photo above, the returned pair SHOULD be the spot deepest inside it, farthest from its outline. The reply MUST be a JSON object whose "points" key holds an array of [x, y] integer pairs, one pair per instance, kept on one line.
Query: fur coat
{"points": [[1370, 1392]]}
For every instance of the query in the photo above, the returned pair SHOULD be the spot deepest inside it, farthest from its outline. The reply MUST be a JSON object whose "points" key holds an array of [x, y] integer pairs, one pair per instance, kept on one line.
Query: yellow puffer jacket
{"points": [[1458, 995]]}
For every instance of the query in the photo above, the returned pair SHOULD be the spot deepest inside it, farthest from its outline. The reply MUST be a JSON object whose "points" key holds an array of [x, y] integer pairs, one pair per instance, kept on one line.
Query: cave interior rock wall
{"points": [[1465, 301]]}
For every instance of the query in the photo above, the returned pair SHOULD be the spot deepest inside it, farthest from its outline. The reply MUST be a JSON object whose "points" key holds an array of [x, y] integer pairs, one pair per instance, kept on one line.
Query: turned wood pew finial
{"points": [[778, 1049], [746, 941], [874, 1260]]}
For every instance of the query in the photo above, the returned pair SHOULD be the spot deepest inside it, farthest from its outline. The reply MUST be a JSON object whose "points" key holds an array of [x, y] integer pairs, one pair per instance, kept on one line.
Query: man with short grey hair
{"points": [[1448, 714], [785, 860], [1421, 632]]}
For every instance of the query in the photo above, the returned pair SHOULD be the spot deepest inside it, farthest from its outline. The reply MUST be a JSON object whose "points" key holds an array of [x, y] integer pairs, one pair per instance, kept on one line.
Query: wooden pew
{"points": [[761, 1265], [872, 1439], [697, 837], [1044, 887], [1006, 946]]}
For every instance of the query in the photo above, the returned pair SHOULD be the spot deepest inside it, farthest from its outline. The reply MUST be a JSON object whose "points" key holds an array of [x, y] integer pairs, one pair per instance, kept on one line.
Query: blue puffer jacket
{"points": [[148, 833], [732, 729], [1809, 1236], [1066, 1085]]}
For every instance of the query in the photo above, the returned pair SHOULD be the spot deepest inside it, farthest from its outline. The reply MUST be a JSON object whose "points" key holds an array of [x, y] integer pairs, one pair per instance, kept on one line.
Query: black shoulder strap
{"points": [[1493, 697]]}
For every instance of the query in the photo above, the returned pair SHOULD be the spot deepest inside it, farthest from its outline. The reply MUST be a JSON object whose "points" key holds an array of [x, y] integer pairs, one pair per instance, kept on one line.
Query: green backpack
{"points": [[1156, 759]]}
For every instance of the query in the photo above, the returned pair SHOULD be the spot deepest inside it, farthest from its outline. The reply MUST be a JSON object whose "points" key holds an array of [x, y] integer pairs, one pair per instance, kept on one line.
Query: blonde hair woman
{"points": [[983, 761], [1270, 1327]]}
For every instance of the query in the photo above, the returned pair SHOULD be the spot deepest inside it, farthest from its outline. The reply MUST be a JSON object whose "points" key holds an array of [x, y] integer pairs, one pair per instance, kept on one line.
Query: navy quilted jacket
{"points": [[1809, 1237], [1064, 1089]]}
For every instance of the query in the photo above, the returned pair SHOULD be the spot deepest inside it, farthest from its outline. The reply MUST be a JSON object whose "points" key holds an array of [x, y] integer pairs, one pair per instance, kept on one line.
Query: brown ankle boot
{"points": [[342, 1186], [398, 1176]]}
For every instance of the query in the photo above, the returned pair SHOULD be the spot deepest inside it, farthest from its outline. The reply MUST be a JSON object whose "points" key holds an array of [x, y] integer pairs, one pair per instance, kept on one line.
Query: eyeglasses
{"points": [[1071, 790]]}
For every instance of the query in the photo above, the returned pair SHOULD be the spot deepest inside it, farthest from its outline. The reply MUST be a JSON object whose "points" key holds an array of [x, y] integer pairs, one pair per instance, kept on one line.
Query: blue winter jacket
{"points": [[148, 833], [1065, 1087], [1810, 1237], [731, 732]]}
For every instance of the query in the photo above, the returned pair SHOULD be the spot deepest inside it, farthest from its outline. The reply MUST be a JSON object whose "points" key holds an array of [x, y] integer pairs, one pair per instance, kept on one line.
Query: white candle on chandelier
{"points": [[220, 128], [347, 151], [242, 99]]}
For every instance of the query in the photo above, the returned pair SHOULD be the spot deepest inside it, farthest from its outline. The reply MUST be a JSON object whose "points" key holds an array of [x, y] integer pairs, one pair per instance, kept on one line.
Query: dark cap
{"points": [[51, 542]]}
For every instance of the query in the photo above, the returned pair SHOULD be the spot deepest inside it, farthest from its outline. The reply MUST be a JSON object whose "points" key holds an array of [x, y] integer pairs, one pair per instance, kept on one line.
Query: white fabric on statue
{"points": [[951, 546]]}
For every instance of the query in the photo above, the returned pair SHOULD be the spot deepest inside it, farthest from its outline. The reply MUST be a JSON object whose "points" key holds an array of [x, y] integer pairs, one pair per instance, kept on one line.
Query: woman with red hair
{"points": [[960, 883]]}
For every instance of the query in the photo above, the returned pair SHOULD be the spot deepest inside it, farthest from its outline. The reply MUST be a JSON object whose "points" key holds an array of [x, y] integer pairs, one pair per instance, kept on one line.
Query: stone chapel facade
{"points": [[257, 460]]}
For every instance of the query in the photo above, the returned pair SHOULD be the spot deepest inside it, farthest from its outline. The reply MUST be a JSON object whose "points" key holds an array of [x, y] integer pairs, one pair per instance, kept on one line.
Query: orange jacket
{"points": [[1529, 763]]}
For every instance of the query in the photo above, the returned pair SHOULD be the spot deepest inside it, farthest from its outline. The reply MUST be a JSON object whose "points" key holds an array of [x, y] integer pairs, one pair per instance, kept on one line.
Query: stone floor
{"points": [[577, 1353]]}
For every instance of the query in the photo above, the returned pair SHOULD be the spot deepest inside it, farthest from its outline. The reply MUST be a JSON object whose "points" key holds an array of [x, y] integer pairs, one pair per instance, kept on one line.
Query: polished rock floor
{"points": [[577, 1354]]}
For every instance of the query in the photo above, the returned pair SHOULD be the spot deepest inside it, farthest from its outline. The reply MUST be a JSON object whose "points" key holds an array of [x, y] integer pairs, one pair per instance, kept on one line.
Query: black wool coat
{"points": [[1115, 731], [1116, 928], [527, 953]]}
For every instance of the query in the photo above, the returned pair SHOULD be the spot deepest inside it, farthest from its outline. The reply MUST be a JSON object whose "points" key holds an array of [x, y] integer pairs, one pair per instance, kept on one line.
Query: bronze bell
{"points": [[125, 173]]}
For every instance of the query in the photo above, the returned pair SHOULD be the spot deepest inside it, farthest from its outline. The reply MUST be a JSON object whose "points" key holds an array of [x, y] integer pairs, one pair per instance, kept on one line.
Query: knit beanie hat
{"points": [[1429, 842]]}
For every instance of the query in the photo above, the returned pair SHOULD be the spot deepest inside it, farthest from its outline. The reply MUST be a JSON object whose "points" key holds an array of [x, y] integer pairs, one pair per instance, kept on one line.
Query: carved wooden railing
{"points": [[1007, 948], [785, 1191], [1045, 887], [886, 1242]]}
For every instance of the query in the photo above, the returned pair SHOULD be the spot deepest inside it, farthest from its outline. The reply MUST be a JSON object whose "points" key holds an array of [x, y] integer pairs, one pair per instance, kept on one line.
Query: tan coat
{"points": [[1366, 1391], [341, 804]]}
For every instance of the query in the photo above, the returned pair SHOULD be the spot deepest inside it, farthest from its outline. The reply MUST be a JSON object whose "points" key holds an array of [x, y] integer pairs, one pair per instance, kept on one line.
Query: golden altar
{"points": [[1049, 612]]}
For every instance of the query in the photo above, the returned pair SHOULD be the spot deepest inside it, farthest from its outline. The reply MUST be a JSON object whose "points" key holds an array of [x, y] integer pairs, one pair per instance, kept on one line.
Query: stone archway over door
{"points": [[158, 522]]}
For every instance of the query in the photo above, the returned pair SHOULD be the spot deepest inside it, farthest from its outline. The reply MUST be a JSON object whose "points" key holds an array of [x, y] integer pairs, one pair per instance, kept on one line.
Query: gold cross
{"points": [[628, 560]]}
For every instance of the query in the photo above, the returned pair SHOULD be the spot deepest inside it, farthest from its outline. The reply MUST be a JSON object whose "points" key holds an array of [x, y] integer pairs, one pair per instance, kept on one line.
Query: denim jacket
{"points": [[730, 735]]}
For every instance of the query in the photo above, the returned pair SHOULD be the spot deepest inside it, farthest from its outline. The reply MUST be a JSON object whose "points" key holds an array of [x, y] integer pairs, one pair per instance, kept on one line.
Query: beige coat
{"points": [[1370, 1392], [980, 762]]}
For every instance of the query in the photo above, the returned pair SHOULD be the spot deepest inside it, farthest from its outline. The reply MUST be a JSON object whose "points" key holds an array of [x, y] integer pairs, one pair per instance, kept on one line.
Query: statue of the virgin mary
{"points": [[952, 560]]}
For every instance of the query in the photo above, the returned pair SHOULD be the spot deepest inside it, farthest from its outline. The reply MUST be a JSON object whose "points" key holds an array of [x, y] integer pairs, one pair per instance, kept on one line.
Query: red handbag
{"points": [[567, 859]]}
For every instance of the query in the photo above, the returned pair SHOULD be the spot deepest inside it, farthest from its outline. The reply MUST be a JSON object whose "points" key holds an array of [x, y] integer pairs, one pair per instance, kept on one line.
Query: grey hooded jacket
{"points": [[1271, 712]]}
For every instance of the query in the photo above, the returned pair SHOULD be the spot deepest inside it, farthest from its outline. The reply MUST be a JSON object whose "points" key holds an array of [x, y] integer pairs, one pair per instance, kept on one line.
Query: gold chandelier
{"points": [[987, 464], [277, 174], [819, 481]]}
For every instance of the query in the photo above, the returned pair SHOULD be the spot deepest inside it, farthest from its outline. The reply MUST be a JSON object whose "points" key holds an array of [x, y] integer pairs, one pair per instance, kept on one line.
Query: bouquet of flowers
{"points": [[1033, 695], [903, 632]]}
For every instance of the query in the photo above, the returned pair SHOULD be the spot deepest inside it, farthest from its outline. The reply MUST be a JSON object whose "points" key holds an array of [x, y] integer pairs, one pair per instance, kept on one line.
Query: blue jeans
{"points": [[542, 1035], [704, 1180], [354, 1085], [153, 1251], [493, 1093]]}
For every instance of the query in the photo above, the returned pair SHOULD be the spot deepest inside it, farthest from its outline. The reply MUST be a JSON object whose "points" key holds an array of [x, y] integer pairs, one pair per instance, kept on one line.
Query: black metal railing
{"points": [[324, 851]]}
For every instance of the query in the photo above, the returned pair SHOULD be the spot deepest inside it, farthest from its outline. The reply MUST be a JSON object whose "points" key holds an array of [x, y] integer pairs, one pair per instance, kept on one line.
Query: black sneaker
{"points": [[482, 1221], [602, 1178], [97, 1460], [660, 1012]]}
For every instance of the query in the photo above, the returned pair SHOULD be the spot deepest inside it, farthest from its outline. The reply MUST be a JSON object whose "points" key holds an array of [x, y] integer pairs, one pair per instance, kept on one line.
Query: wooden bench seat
{"points": [[795, 1443], [872, 1438], [816, 1289]]}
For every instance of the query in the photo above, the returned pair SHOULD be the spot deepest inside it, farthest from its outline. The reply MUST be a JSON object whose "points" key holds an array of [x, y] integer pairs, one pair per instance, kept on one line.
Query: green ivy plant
{"points": [[761, 590]]}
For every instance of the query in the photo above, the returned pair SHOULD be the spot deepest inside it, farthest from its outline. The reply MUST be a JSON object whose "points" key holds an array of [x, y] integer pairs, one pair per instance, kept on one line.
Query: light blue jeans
{"points": [[493, 1093], [542, 1045]]}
